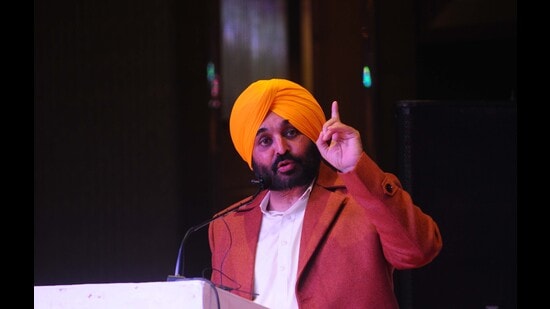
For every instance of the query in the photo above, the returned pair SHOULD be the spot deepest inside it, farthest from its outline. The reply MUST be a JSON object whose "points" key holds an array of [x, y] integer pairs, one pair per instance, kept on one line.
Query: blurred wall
{"points": [[121, 165]]}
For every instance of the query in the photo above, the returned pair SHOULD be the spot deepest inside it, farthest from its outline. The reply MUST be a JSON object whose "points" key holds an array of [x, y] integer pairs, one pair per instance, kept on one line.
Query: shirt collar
{"points": [[292, 209]]}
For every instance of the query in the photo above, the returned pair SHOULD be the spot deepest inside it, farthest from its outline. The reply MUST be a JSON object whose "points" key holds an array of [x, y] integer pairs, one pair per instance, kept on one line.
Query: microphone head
{"points": [[265, 182], [262, 182]]}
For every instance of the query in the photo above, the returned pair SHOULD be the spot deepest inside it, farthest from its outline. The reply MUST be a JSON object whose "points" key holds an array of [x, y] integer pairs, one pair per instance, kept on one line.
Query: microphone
{"points": [[179, 270], [263, 183]]}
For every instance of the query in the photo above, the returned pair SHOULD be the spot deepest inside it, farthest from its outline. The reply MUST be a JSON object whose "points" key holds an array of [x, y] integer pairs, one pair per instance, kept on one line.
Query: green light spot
{"points": [[210, 71], [367, 80]]}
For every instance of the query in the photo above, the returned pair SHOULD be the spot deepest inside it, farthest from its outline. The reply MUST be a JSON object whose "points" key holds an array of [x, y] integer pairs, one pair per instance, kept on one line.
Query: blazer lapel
{"points": [[322, 208], [251, 222]]}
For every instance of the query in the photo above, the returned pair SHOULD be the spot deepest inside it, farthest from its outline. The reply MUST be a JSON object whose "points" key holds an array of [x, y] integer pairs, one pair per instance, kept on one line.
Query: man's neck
{"points": [[283, 200]]}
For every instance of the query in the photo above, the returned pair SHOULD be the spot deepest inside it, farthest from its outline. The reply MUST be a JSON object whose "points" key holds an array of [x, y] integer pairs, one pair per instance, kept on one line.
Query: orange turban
{"points": [[283, 97]]}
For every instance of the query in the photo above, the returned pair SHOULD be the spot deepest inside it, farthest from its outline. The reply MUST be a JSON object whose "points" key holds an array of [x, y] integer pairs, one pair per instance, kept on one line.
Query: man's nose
{"points": [[281, 145]]}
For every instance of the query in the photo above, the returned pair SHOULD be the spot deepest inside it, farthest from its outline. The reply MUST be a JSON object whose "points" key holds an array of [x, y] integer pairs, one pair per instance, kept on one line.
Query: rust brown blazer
{"points": [[358, 227]]}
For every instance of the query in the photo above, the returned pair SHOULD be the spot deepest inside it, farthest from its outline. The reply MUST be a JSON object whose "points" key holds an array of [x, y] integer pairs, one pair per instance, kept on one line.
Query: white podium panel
{"points": [[187, 294]]}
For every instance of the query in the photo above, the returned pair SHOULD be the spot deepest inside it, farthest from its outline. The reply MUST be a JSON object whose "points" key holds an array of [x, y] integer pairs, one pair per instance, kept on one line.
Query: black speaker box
{"points": [[459, 162]]}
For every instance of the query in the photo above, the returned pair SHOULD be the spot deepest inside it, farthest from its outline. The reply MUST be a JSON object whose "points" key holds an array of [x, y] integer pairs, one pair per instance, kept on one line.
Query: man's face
{"points": [[283, 155]]}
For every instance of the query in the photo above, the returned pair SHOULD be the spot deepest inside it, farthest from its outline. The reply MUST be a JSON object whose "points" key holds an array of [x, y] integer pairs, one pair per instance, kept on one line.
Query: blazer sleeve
{"points": [[410, 238]]}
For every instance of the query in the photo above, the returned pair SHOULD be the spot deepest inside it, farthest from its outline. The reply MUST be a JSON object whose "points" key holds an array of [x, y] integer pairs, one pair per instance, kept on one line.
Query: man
{"points": [[331, 226]]}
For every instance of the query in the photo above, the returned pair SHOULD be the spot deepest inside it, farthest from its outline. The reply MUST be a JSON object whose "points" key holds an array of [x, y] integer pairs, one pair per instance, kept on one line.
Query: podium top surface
{"points": [[188, 294]]}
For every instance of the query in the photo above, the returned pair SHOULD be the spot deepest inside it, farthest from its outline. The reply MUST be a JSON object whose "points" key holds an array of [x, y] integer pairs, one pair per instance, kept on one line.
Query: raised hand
{"points": [[338, 143]]}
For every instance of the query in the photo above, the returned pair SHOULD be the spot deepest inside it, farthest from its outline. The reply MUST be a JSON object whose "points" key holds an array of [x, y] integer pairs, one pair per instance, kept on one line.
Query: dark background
{"points": [[458, 159], [128, 153]]}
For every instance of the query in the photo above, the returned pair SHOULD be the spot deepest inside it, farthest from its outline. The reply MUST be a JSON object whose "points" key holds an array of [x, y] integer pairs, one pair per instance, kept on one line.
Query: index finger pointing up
{"points": [[335, 115]]}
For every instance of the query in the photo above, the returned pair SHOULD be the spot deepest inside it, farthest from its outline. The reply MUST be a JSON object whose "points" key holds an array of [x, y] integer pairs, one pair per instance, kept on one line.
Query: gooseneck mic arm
{"points": [[179, 270]]}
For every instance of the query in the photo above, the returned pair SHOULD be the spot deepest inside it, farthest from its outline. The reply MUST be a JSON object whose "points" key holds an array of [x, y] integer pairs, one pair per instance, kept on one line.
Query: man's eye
{"points": [[291, 132], [264, 141]]}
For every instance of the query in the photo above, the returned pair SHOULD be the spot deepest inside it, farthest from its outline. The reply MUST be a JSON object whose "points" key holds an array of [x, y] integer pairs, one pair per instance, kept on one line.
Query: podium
{"points": [[187, 294]]}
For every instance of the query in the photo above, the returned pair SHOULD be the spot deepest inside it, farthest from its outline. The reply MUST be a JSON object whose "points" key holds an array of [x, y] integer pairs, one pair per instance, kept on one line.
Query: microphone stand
{"points": [[177, 273]]}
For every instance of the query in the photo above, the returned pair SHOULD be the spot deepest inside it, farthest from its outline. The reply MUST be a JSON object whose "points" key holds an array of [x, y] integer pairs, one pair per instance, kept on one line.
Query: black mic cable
{"points": [[262, 184]]}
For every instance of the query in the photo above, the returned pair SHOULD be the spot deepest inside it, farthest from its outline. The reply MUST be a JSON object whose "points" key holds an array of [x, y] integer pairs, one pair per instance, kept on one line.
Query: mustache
{"points": [[284, 156]]}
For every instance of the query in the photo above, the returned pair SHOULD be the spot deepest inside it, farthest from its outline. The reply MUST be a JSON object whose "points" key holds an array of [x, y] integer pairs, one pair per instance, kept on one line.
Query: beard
{"points": [[307, 167]]}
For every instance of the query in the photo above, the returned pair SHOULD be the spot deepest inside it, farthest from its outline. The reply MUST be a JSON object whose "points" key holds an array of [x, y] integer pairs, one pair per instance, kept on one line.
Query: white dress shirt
{"points": [[276, 263]]}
